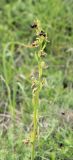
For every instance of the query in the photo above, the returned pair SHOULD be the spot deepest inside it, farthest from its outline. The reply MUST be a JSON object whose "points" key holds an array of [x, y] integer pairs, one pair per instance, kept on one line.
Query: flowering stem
{"points": [[37, 83]]}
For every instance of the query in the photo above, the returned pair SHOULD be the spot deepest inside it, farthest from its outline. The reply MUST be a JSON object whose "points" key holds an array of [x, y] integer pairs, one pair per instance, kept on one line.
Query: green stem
{"points": [[34, 134], [36, 103], [35, 106]]}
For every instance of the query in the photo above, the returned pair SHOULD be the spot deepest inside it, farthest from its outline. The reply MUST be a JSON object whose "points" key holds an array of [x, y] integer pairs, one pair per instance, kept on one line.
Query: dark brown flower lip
{"points": [[35, 44], [34, 26], [42, 33]]}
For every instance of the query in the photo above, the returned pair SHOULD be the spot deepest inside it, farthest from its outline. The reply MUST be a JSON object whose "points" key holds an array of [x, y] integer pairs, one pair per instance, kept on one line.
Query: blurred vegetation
{"points": [[16, 65]]}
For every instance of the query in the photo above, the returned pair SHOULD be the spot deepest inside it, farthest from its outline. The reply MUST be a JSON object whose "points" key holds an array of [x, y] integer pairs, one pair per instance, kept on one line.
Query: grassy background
{"points": [[16, 64]]}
